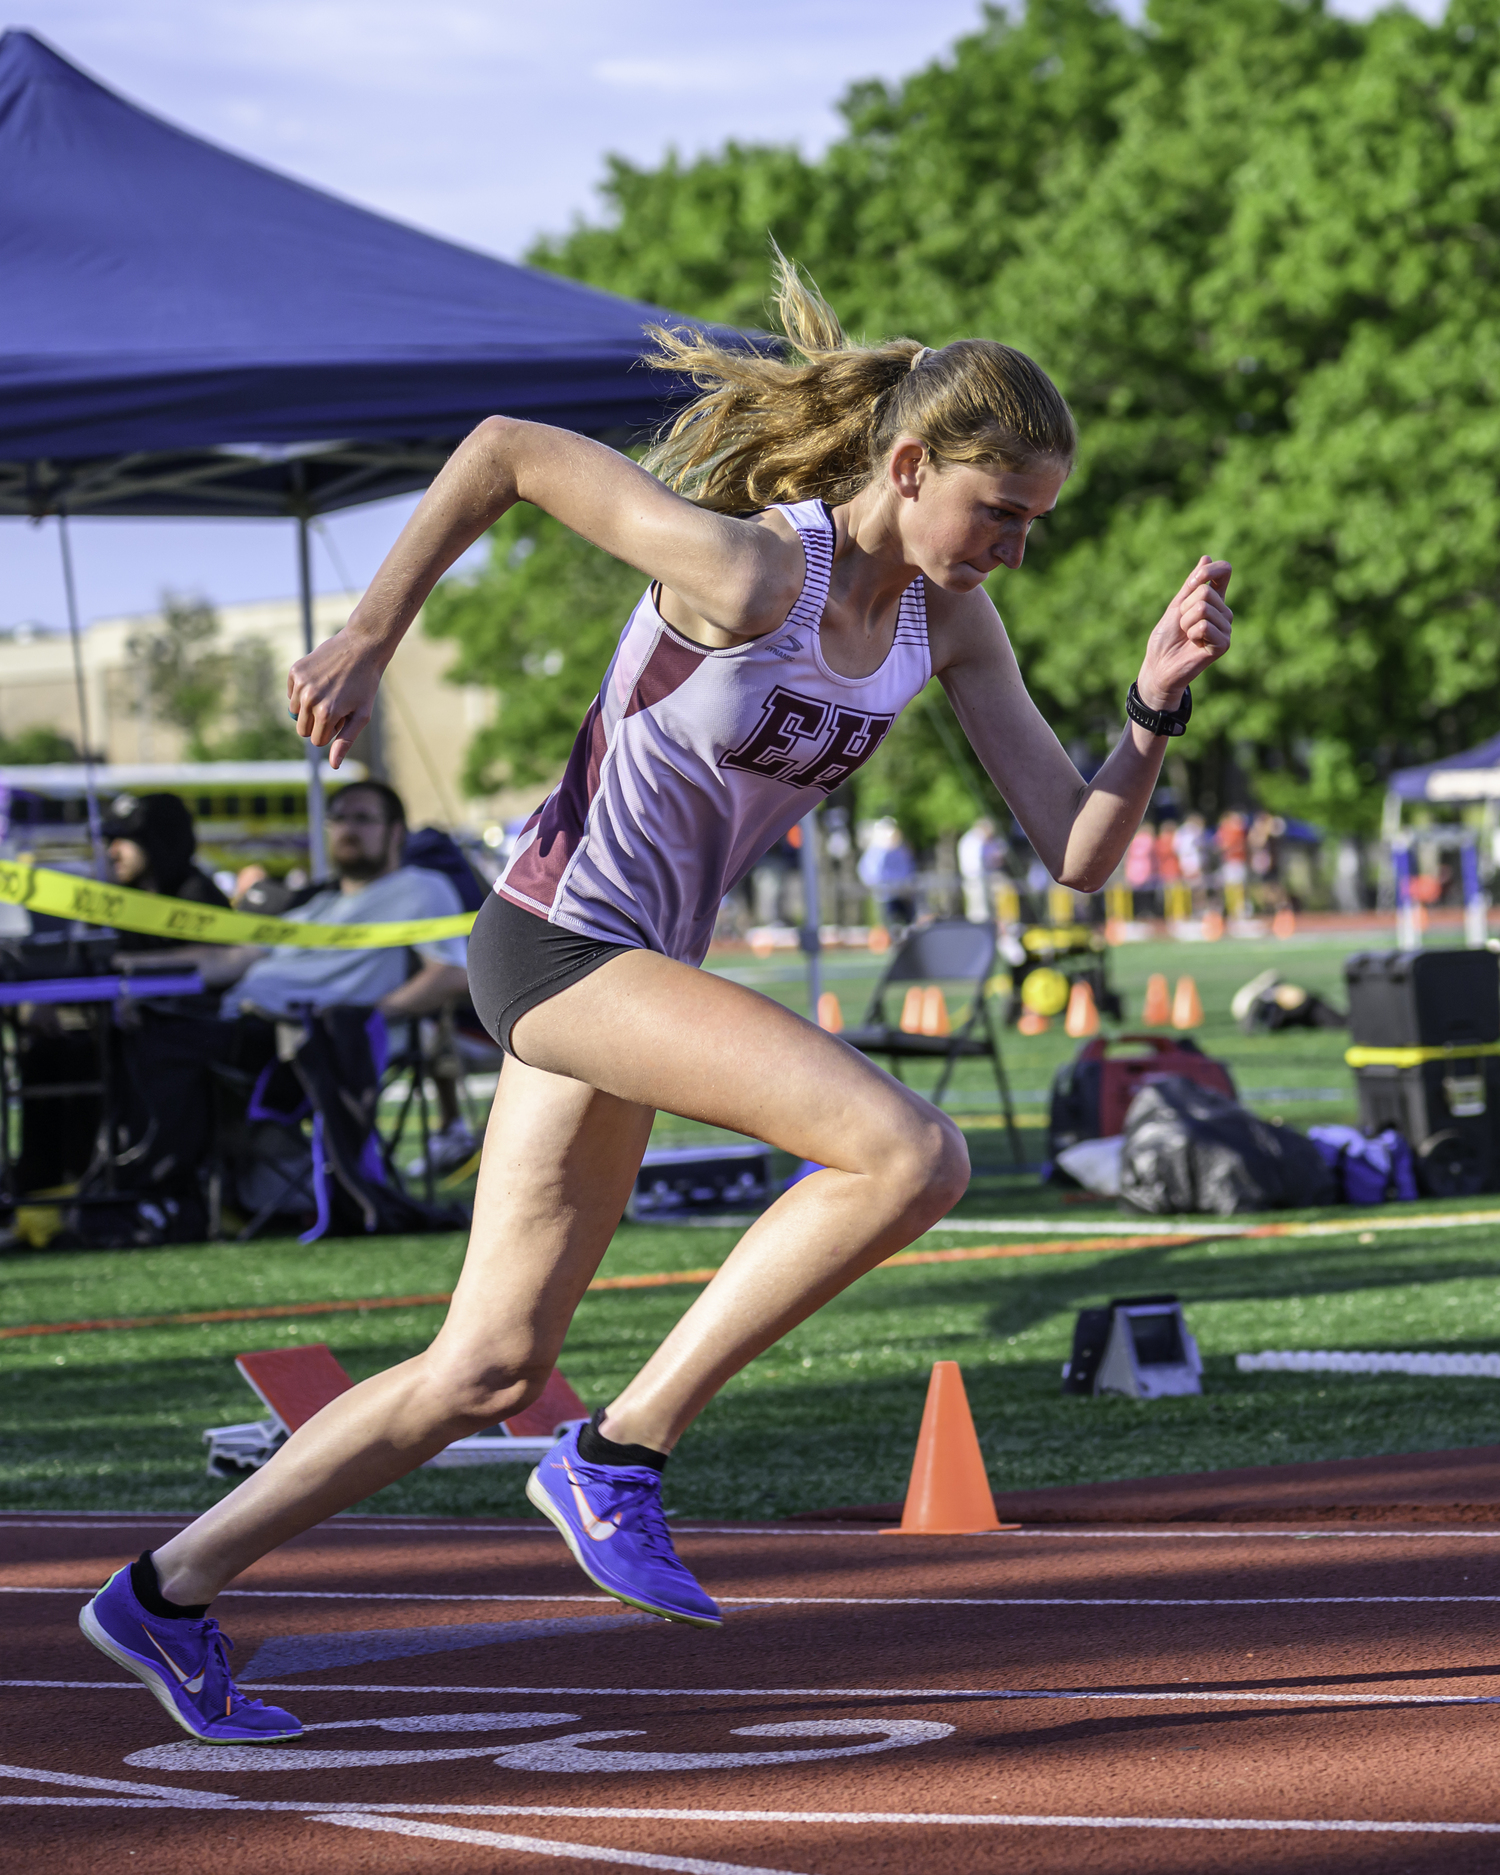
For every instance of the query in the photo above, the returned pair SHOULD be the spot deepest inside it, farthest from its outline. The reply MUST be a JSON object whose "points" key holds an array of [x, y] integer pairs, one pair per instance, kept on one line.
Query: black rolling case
{"points": [[1423, 999], [1414, 1017]]}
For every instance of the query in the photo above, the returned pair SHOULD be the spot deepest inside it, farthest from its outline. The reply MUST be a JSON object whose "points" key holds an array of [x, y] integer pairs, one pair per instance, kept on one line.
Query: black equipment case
{"points": [[1425, 1028], [1423, 999]]}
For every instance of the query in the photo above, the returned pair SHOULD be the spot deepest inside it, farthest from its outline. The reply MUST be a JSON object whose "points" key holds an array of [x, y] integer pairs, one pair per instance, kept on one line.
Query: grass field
{"points": [[111, 1420]]}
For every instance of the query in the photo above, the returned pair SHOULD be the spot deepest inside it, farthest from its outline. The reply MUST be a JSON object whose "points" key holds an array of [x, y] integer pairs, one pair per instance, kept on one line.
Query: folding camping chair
{"points": [[952, 951], [295, 1383]]}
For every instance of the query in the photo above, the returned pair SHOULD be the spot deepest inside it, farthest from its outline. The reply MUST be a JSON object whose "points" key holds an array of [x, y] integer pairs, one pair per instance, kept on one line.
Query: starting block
{"points": [[295, 1383]]}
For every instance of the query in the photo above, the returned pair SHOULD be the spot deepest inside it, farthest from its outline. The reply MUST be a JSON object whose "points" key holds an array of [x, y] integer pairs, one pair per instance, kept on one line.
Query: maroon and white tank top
{"points": [[692, 763]]}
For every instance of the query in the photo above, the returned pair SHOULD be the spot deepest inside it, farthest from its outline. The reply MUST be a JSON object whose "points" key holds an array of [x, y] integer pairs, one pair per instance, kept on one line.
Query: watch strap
{"points": [[1159, 722]]}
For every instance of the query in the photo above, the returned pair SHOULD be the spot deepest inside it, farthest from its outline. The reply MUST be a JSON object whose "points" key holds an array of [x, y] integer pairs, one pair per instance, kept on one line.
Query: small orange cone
{"points": [[911, 1012], [1156, 1012], [1030, 1023], [1284, 924], [830, 1016], [949, 1494], [1187, 1010], [1213, 925], [935, 1011], [880, 940], [1083, 1013]]}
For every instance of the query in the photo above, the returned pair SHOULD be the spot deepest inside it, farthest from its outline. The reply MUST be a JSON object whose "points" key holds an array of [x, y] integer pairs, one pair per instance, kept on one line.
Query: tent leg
{"points": [[75, 633], [317, 845]]}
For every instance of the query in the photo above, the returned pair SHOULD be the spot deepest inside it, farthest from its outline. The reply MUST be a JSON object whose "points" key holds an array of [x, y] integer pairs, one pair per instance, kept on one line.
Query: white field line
{"points": [[1213, 1227], [863, 1601], [546, 1846], [846, 1818]]}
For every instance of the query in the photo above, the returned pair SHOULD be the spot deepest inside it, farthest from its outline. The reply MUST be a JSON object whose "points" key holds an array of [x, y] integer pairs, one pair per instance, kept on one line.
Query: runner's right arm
{"points": [[742, 577]]}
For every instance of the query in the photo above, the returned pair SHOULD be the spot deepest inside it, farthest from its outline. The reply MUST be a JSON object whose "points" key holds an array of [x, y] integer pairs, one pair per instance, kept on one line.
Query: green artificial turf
{"points": [[111, 1420]]}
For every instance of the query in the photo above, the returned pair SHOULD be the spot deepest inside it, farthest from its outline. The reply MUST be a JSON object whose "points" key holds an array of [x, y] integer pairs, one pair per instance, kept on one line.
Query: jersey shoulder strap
{"points": [[814, 525]]}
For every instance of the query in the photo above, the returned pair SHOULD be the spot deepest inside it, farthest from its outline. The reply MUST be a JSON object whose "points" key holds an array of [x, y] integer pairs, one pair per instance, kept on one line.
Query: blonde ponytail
{"points": [[818, 423]]}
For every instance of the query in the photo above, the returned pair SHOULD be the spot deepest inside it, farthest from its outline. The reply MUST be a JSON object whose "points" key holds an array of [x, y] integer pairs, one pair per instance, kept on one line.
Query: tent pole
{"points": [[75, 633], [317, 845]]}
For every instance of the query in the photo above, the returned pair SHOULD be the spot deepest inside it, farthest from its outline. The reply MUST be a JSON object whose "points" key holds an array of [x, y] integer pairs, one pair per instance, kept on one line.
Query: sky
{"points": [[486, 121]]}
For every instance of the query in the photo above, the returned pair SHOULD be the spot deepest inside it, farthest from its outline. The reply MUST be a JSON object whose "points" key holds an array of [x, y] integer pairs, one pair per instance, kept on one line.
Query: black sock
{"points": [[595, 1449], [146, 1587]]}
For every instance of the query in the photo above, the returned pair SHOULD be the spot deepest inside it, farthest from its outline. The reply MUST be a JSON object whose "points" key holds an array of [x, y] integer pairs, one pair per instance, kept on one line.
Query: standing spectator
{"points": [[1189, 843], [981, 853], [1233, 848], [1140, 859], [886, 866]]}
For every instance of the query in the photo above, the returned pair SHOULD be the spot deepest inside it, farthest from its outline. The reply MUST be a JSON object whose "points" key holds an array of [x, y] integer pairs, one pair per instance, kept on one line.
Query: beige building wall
{"points": [[421, 733]]}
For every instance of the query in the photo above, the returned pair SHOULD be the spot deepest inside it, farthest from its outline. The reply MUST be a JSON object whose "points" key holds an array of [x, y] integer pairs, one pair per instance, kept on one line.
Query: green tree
{"points": [[37, 744], [194, 681], [1258, 246]]}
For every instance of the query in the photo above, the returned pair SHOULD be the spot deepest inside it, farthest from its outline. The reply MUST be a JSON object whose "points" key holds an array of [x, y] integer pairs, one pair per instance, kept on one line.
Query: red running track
{"points": [[1157, 1699]]}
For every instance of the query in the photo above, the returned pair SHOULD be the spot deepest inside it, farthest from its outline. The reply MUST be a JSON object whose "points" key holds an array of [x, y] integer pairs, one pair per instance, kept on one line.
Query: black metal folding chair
{"points": [[950, 951]]}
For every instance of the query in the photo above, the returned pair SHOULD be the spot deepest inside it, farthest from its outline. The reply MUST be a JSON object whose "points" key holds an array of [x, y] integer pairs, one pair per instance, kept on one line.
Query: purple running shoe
{"points": [[186, 1665], [610, 1517]]}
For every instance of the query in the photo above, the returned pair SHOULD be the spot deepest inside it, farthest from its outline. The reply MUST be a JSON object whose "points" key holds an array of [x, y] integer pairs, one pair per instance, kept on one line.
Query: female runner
{"points": [[818, 534]]}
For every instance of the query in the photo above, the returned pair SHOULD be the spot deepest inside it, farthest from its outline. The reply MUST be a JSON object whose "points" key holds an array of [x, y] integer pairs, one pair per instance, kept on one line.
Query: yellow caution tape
{"points": [[65, 895], [1414, 1057]]}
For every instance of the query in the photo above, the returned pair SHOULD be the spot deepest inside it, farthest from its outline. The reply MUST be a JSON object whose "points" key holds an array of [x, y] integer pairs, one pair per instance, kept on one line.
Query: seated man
{"points": [[151, 843], [169, 1057]]}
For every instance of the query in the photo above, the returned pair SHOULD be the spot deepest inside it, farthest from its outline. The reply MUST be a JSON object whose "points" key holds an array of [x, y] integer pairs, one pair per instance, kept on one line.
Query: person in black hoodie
{"points": [[151, 845]]}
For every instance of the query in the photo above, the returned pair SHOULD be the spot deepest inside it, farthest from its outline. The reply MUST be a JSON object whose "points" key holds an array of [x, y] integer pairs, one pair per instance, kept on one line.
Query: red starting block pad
{"points": [[295, 1383]]}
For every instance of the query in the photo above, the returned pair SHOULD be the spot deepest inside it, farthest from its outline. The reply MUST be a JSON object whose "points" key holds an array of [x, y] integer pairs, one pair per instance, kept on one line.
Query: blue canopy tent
{"points": [[1472, 776], [183, 332]]}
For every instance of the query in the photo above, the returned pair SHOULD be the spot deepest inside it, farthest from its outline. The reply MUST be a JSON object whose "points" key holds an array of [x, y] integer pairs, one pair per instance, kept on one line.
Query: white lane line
{"points": [[547, 1846], [356, 1813], [748, 1602], [878, 1694], [179, 1799]]}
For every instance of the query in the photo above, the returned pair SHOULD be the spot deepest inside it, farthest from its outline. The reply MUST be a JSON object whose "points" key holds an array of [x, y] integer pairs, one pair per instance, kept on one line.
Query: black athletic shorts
{"points": [[517, 960]]}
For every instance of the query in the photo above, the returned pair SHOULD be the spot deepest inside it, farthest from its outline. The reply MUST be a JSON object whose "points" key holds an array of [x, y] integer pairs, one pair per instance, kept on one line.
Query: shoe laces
{"points": [[640, 1505], [218, 1646]]}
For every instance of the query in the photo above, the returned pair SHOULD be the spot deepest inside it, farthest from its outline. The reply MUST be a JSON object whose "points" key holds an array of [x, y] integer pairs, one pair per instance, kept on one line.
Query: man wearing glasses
{"points": [[169, 1058], [366, 837]]}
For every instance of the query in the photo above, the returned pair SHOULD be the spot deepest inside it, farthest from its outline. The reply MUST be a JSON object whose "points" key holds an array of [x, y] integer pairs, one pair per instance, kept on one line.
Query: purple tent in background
{"points": [[183, 332]]}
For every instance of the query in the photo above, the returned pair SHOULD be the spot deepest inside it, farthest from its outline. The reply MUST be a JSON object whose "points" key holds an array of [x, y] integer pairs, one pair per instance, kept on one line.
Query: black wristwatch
{"points": [[1159, 722]]}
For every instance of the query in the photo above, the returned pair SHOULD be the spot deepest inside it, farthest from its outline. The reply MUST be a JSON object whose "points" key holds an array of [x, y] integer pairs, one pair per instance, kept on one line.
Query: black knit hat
{"points": [[162, 827]]}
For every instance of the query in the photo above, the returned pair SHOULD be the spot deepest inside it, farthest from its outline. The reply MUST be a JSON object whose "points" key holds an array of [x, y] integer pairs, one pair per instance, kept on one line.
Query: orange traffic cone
{"points": [[1029, 1022], [1083, 1014], [935, 1011], [830, 1016], [1187, 1010], [1213, 925], [880, 940], [949, 1493], [1156, 1011], [1284, 924], [911, 1012]]}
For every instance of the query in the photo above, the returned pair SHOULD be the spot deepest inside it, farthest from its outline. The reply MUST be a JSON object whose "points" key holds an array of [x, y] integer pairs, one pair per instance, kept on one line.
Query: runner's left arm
{"points": [[1080, 829]]}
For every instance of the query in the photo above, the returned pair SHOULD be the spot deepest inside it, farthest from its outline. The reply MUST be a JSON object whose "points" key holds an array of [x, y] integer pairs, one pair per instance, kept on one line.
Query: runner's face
{"points": [[968, 519]]}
